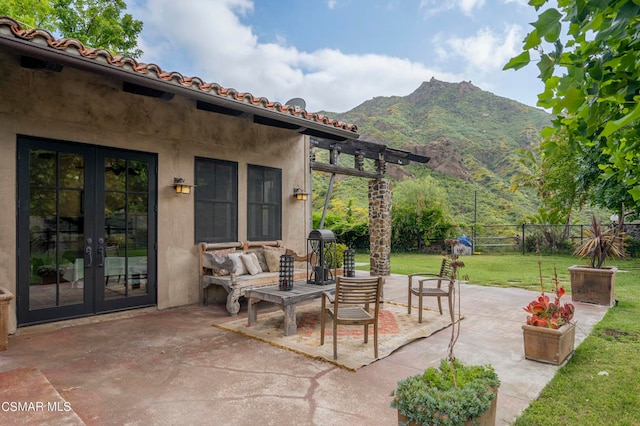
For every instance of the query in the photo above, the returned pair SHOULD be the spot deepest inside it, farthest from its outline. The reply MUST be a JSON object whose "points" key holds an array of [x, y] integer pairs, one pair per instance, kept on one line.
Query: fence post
{"points": [[522, 240], [473, 239]]}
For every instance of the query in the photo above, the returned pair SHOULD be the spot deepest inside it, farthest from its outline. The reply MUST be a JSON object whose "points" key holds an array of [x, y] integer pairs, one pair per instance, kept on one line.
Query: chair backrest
{"points": [[358, 291], [448, 270]]}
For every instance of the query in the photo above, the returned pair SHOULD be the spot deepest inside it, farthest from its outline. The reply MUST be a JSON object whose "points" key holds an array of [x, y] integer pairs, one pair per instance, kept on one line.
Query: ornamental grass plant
{"points": [[602, 243]]}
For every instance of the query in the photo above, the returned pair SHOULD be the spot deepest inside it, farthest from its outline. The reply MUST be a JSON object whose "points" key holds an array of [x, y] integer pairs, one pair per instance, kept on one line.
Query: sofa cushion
{"points": [[273, 260], [251, 263], [237, 262], [261, 260]]}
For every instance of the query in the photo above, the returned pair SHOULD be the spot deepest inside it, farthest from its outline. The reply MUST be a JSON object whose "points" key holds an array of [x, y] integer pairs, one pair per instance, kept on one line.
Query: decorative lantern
{"points": [[349, 264], [286, 272], [322, 265]]}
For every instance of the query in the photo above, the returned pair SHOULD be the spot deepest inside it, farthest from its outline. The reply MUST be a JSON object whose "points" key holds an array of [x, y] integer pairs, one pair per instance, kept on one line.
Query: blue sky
{"points": [[336, 54]]}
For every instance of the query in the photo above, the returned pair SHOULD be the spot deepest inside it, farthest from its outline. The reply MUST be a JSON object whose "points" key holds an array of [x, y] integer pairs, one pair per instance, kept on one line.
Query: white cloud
{"points": [[209, 39], [467, 6], [224, 51], [523, 3], [332, 4], [435, 7], [486, 51]]}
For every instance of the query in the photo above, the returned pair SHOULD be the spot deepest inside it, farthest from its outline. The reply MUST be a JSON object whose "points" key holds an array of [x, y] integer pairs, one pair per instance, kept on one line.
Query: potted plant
{"points": [[549, 334], [454, 394], [595, 283]]}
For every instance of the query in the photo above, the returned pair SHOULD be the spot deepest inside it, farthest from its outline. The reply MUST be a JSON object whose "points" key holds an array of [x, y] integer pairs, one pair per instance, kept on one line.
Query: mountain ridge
{"points": [[471, 135]]}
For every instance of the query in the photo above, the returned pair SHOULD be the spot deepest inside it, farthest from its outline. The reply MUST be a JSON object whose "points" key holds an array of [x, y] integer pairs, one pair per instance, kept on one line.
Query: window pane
{"points": [[264, 204], [216, 199]]}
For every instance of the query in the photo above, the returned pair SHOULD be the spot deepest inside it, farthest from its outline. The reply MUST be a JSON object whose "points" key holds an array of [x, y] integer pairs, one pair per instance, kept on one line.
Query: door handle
{"points": [[89, 257], [100, 256]]}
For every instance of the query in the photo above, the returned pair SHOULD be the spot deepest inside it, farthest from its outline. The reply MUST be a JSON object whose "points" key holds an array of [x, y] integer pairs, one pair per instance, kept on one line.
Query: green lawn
{"points": [[600, 383]]}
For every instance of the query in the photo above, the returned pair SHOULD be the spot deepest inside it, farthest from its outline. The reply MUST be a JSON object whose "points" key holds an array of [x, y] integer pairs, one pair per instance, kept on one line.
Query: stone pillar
{"points": [[380, 226]]}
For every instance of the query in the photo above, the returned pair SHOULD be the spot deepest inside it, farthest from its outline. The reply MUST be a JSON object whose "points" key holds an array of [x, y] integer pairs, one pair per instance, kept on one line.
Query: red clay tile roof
{"points": [[74, 46]]}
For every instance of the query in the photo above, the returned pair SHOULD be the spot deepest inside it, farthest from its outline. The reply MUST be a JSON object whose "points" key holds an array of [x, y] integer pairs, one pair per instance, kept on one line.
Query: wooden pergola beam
{"points": [[333, 168], [371, 150]]}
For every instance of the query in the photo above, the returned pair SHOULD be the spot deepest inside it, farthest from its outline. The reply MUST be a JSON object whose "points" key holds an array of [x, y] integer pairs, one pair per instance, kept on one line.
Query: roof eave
{"points": [[43, 52]]}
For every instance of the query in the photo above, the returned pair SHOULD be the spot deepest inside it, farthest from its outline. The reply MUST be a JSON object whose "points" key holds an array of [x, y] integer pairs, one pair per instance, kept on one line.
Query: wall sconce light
{"points": [[181, 186], [299, 194]]}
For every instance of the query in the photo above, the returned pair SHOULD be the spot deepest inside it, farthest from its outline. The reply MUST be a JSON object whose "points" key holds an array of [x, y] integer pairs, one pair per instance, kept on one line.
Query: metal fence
{"points": [[527, 238]]}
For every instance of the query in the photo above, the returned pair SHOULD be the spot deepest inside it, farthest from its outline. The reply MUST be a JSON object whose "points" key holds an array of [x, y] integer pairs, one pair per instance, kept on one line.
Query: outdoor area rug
{"points": [[396, 328]]}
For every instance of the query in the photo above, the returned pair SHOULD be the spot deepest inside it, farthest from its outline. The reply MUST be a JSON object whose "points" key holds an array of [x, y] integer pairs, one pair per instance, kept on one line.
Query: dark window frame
{"points": [[264, 203], [210, 196]]}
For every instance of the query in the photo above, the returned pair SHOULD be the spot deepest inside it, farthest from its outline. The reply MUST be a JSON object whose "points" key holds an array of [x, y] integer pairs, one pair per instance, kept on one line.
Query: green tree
{"points": [[96, 23], [30, 13], [592, 84], [418, 214], [560, 176]]}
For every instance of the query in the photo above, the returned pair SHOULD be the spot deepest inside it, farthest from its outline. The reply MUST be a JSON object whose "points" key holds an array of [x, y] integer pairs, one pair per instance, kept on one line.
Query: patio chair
{"points": [[351, 305], [434, 285]]}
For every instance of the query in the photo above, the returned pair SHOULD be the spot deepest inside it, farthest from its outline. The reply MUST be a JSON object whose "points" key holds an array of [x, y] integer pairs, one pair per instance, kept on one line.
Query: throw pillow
{"points": [[273, 260], [237, 262], [280, 250], [261, 260], [251, 263]]}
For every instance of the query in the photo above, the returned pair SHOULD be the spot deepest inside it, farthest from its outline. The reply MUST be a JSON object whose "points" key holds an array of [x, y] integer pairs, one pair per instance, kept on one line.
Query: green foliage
{"points": [[560, 166], [96, 23], [31, 13], [548, 235], [449, 395], [354, 235], [470, 135], [601, 243], [599, 383], [417, 214], [340, 249], [633, 246], [351, 233], [591, 84]]}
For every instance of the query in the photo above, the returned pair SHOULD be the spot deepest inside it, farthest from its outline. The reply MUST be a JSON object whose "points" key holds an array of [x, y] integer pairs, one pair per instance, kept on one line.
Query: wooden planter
{"points": [[591, 285], [488, 418], [548, 345]]}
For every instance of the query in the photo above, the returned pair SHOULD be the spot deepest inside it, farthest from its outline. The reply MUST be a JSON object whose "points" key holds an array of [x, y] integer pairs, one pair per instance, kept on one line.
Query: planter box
{"points": [[5, 298], [548, 345], [488, 418], [590, 285]]}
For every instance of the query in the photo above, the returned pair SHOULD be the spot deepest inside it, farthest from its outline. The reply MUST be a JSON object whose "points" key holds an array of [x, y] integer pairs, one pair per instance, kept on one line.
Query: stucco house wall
{"points": [[79, 106]]}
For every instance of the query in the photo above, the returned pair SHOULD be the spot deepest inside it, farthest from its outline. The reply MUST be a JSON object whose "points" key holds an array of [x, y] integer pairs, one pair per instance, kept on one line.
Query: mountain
{"points": [[471, 136]]}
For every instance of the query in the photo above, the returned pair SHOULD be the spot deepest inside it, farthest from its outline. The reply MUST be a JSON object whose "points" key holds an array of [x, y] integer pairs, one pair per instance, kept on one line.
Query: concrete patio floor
{"points": [[172, 367]]}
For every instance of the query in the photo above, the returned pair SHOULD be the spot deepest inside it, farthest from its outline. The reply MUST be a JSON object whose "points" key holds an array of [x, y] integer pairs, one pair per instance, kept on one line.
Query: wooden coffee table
{"points": [[286, 300]]}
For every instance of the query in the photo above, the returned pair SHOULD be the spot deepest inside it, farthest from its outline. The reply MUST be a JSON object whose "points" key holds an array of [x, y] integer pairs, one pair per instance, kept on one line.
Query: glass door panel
{"points": [[126, 206], [55, 229]]}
